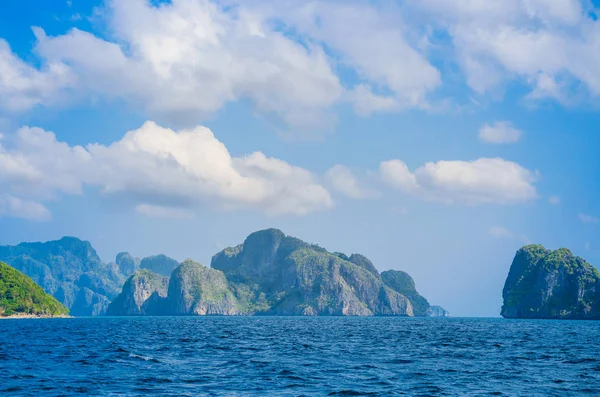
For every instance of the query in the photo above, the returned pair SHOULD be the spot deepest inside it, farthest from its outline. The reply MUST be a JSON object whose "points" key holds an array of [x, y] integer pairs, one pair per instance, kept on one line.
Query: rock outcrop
{"points": [[127, 264], [160, 264], [551, 284], [437, 311], [269, 274], [144, 293], [198, 290], [404, 284], [283, 275]]}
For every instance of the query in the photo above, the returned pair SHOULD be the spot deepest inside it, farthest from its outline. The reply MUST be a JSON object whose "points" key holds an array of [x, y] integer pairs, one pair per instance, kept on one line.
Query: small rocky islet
{"points": [[551, 284]]}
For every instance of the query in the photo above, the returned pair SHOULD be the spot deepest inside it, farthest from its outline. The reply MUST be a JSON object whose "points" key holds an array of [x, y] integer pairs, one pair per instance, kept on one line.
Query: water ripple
{"points": [[287, 356]]}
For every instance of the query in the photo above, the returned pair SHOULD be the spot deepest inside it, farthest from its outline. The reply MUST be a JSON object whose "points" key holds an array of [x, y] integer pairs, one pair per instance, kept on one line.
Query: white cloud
{"points": [[343, 180], [375, 42], [500, 232], [499, 132], [588, 218], [554, 200], [485, 180], [23, 87], [157, 211], [294, 61], [548, 45], [159, 170], [15, 207], [39, 166], [179, 62], [185, 60]]}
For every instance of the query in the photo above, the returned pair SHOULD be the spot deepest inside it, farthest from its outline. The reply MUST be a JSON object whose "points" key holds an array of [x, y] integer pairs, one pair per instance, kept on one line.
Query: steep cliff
{"points": [[70, 270], [404, 284], [551, 284], [127, 264], [144, 293], [297, 278], [274, 274], [199, 290], [160, 264]]}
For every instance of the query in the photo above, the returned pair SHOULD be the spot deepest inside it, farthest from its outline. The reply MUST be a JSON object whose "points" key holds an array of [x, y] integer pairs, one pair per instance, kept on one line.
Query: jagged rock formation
{"points": [[365, 263], [437, 311], [404, 284], [551, 284], [127, 264], [199, 290], [290, 277], [19, 295], [144, 293], [270, 274], [160, 264], [70, 270]]}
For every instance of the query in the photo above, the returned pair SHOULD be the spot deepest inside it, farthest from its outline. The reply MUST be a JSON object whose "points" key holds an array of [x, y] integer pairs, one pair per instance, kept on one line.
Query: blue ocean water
{"points": [[298, 356]]}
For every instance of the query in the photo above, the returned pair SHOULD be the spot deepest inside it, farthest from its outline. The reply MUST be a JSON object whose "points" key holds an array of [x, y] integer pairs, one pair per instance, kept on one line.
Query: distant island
{"points": [[70, 270], [551, 285], [269, 274], [274, 274], [21, 297]]}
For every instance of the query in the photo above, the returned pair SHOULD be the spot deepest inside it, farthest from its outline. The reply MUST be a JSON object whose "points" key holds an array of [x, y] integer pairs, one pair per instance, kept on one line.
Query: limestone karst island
{"points": [[268, 274]]}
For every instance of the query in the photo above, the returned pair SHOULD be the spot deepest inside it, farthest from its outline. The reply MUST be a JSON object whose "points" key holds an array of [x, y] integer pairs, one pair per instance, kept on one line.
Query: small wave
{"points": [[140, 357], [400, 361], [11, 389], [350, 393], [581, 361], [155, 380]]}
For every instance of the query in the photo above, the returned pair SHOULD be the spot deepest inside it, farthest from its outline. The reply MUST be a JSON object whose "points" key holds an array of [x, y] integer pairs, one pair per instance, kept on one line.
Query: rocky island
{"points": [[268, 274], [70, 270], [274, 274], [21, 297], [551, 284]]}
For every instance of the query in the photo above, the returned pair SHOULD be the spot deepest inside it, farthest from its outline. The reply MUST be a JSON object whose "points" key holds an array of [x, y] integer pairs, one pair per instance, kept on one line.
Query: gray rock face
{"points": [[160, 264], [365, 263], [297, 278], [127, 264], [70, 270], [551, 284], [271, 273], [404, 284], [437, 311], [199, 290], [144, 293]]}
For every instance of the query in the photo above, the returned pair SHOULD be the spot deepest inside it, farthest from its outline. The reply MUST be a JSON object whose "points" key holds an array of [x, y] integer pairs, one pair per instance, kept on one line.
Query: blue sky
{"points": [[433, 140]]}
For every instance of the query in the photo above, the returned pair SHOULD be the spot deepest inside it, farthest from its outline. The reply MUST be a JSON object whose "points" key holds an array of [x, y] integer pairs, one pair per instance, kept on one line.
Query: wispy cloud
{"points": [[499, 132], [588, 218], [500, 232], [554, 200]]}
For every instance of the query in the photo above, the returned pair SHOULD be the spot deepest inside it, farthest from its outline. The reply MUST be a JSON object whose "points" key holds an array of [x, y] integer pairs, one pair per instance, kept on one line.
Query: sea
{"points": [[298, 356]]}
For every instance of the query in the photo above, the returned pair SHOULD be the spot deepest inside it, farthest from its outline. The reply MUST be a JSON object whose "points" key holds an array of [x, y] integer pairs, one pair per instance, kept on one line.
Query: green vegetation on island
{"points": [[273, 274], [268, 274], [19, 295], [551, 284], [70, 270]]}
